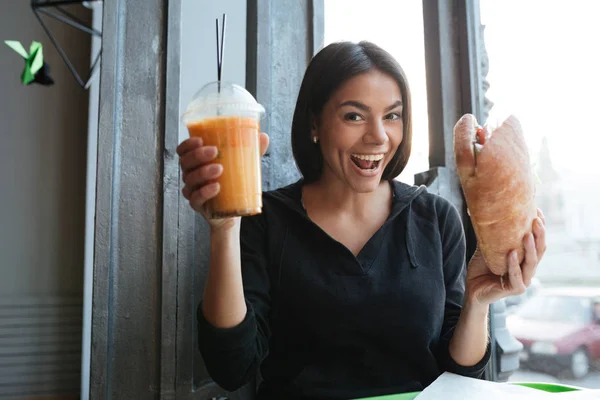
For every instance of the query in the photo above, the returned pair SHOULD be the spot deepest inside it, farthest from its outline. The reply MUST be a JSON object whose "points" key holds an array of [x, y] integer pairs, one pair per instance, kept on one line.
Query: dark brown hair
{"points": [[327, 71]]}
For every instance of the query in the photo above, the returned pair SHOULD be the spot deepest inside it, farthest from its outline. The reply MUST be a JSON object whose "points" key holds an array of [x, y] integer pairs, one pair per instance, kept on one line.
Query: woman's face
{"points": [[360, 130]]}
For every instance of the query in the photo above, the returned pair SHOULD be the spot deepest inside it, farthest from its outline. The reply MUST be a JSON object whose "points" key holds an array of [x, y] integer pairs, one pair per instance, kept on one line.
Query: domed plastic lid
{"points": [[230, 100]]}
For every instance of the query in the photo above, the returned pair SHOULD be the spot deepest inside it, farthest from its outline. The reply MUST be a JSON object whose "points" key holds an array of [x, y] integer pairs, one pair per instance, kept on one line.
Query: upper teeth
{"points": [[368, 157]]}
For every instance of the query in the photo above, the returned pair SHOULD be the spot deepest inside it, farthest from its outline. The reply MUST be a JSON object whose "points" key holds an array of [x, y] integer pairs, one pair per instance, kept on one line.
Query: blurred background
{"points": [[537, 59]]}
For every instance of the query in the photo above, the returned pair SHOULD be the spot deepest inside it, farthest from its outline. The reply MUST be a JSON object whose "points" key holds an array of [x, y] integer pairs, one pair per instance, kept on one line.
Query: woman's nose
{"points": [[375, 133]]}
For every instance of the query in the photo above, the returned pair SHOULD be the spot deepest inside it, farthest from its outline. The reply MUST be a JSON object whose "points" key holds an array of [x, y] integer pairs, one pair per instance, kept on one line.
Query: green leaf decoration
{"points": [[17, 46], [34, 62], [27, 76], [38, 57]]}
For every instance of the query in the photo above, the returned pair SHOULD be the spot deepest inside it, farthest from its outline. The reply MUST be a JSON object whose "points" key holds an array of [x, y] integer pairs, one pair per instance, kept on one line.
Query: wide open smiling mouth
{"points": [[367, 162]]}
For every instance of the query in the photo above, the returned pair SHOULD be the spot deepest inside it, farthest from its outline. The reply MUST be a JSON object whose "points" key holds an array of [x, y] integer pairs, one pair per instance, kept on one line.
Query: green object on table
{"points": [[546, 387]]}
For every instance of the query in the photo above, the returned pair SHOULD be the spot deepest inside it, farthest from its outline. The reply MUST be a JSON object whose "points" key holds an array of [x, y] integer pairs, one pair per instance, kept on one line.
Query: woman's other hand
{"points": [[484, 287]]}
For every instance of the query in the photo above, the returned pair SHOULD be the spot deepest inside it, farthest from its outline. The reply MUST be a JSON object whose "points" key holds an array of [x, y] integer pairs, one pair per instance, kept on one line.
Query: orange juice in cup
{"points": [[226, 116]]}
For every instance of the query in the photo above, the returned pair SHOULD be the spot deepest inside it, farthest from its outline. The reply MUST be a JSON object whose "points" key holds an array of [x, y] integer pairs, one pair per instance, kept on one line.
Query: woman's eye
{"points": [[353, 117], [393, 116]]}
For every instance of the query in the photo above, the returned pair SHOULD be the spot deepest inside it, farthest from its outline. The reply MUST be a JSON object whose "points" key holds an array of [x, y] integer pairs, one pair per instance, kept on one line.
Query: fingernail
{"points": [[514, 256], [210, 151], [214, 169], [210, 189]]}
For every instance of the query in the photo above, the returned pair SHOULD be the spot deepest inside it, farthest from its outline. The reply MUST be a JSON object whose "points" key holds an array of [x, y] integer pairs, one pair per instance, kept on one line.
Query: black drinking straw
{"points": [[220, 51]]}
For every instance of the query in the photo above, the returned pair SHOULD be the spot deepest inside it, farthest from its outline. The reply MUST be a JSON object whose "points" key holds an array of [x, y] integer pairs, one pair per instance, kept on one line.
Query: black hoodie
{"points": [[324, 324]]}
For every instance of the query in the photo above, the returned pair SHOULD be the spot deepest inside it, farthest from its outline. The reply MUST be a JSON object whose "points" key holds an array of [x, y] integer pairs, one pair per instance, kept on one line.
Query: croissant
{"points": [[499, 187]]}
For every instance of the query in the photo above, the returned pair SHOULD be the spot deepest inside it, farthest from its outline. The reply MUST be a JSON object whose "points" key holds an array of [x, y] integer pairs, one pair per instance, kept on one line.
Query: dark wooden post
{"points": [[135, 262], [282, 37]]}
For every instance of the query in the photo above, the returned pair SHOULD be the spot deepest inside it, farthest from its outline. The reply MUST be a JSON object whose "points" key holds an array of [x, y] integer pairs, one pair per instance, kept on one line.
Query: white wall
{"points": [[43, 138], [43, 133], [199, 46]]}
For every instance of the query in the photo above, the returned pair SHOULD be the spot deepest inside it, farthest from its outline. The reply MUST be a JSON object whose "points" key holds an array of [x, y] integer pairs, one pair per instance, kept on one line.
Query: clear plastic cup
{"points": [[227, 116]]}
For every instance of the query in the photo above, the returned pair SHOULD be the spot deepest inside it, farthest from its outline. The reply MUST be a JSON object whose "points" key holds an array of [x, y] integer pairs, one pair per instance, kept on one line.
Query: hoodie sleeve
{"points": [[454, 255], [233, 355]]}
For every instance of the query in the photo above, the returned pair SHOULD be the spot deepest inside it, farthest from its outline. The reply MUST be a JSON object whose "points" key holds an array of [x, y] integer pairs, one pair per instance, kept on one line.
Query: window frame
{"points": [[455, 53]]}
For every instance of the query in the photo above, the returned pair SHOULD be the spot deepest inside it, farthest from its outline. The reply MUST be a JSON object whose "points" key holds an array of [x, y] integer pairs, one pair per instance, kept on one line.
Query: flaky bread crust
{"points": [[499, 190]]}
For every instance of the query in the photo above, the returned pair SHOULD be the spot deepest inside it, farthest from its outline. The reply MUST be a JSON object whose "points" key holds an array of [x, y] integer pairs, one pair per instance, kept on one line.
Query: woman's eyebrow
{"points": [[356, 104], [395, 105], [365, 107]]}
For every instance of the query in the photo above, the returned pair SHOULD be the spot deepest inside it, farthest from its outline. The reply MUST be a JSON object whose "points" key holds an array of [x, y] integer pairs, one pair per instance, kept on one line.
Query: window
{"points": [[543, 67], [396, 26]]}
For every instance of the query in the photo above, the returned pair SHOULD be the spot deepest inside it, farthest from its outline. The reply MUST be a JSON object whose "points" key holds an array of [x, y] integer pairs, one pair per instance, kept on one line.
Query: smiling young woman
{"points": [[328, 74], [358, 131], [358, 138], [350, 283]]}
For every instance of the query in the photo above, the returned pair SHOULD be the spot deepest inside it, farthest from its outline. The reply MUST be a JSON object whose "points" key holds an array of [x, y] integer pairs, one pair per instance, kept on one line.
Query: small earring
{"points": [[315, 139]]}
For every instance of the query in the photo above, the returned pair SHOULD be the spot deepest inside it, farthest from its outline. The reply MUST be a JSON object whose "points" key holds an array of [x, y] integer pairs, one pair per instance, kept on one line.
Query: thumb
{"points": [[464, 135], [263, 143]]}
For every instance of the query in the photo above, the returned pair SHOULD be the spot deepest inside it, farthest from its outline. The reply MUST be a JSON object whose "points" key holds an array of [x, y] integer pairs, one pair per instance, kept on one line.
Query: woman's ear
{"points": [[313, 125]]}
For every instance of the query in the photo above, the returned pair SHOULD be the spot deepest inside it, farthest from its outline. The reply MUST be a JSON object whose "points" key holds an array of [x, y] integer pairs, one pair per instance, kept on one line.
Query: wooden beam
{"points": [[133, 266]]}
